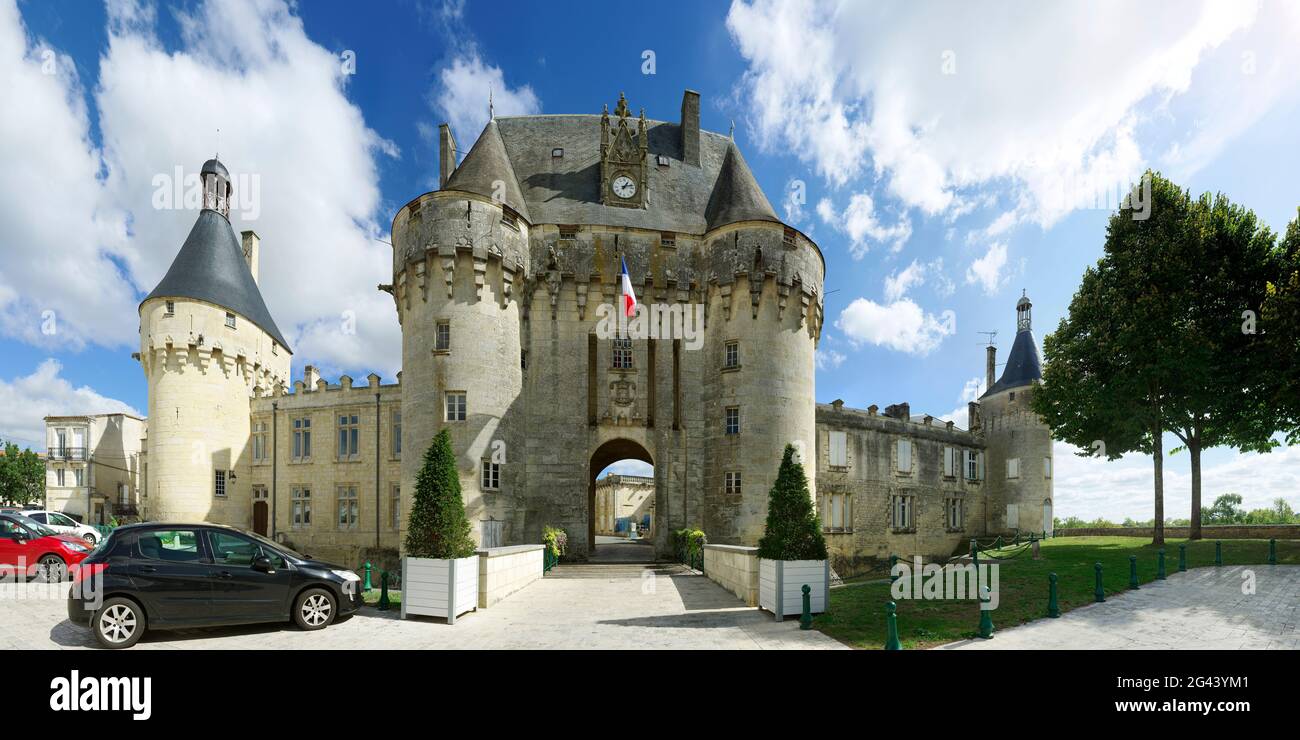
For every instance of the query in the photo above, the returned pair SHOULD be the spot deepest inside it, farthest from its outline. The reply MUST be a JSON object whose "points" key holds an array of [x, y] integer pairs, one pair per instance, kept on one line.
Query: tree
{"points": [[1226, 510], [1282, 511], [438, 527], [792, 531], [1280, 325], [22, 475]]}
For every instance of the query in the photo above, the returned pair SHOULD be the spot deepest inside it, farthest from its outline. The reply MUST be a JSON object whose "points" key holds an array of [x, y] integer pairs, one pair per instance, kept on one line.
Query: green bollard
{"points": [[368, 587], [1053, 609], [1272, 552], [893, 560], [805, 620], [891, 623], [1218, 552], [975, 561], [1182, 558], [986, 619], [1160, 564], [384, 603], [1099, 595], [1133, 571]]}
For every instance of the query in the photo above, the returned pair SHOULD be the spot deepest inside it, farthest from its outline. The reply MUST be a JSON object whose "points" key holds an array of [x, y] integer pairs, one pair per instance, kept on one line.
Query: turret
{"points": [[207, 344]]}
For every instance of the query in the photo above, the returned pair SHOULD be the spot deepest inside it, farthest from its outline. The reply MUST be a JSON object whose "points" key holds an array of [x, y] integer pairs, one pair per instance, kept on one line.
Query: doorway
{"points": [[260, 510], [621, 497]]}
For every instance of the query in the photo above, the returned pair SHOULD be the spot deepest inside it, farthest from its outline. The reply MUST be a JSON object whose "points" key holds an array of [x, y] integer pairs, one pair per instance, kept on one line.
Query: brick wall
{"points": [[1209, 532]]}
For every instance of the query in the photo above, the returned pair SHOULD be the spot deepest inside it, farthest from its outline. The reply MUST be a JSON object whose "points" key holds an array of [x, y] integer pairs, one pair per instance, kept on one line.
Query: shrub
{"points": [[555, 539], [792, 531], [688, 542], [438, 527]]}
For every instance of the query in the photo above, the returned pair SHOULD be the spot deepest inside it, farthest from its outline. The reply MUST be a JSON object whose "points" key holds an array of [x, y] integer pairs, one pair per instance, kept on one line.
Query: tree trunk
{"points": [[1158, 452], [1194, 530]]}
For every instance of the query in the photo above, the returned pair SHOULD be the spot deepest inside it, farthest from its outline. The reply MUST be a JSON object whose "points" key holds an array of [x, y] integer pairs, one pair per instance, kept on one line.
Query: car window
{"points": [[231, 549], [9, 527], [170, 545], [60, 520], [37, 517], [31, 525]]}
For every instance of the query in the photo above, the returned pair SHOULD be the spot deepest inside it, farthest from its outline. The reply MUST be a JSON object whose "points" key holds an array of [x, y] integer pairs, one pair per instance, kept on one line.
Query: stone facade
{"points": [[629, 497], [95, 466]]}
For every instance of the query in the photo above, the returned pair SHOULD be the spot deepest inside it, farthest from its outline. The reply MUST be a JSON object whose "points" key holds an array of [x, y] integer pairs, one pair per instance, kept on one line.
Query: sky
{"points": [[945, 156]]}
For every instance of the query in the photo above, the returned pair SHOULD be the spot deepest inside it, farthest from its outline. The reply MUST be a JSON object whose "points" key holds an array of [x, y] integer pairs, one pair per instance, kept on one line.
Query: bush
{"points": [[688, 543], [792, 531], [438, 527], [555, 539]]}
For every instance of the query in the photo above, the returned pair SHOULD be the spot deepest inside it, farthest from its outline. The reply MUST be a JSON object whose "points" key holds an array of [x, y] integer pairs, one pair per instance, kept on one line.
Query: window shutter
{"points": [[839, 449], [947, 461]]}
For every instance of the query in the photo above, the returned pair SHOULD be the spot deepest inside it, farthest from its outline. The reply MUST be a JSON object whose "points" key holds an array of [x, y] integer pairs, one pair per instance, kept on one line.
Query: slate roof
{"points": [[566, 190], [210, 267], [1023, 366]]}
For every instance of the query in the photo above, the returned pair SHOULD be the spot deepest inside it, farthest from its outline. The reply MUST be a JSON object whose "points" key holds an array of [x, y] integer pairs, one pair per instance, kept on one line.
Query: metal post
{"points": [[1132, 571], [1218, 553], [1099, 595], [805, 619], [986, 619], [1272, 552], [384, 603], [893, 560], [891, 623], [1160, 564], [368, 587], [1182, 558], [1053, 609]]}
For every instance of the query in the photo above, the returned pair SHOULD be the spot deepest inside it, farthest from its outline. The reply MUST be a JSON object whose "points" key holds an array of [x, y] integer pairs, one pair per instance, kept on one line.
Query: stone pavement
{"points": [[1202, 609], [611, 607], [622, 550]]}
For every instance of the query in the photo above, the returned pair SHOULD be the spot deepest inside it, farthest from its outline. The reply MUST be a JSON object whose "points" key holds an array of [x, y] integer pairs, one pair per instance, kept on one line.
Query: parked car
{"points": [[170, 576], [65, 524], [35, 550]]}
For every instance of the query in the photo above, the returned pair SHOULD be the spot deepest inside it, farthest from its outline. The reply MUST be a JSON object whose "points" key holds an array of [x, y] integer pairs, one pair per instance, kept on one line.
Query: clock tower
{"points": [[622, 159]]}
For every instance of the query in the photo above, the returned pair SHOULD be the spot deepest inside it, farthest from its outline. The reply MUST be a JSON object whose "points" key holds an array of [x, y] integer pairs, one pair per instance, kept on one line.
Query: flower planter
{"points": [[439, 588], [781, 582]]}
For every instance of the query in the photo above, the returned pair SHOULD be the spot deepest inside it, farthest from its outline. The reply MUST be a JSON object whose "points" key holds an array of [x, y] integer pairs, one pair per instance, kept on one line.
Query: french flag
{"points": [[629, 297]]}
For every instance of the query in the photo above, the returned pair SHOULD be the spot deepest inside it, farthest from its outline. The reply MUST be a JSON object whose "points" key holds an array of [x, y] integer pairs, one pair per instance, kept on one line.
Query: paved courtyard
{"points": [[617, 606], [1202, 609]]}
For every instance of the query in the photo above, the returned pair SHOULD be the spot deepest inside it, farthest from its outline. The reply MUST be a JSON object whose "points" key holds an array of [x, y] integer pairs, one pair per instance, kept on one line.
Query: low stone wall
{"points": [[505, 570], [735, 568], [1208, 532]]}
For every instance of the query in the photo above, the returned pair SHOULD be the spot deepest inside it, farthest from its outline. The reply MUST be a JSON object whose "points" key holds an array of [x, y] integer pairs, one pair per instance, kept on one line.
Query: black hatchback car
{"points": [[173, 576]]}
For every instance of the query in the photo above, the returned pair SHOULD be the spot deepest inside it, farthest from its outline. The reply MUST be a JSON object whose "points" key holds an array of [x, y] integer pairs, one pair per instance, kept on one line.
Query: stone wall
{"points": [[1013, 431], [505, 570], [1208, 532], [735, 568]]}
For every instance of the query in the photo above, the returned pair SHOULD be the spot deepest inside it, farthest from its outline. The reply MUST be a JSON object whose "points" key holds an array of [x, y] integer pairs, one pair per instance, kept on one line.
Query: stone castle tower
{"points": [[1019, 444], [207, 344], [505, 280]]}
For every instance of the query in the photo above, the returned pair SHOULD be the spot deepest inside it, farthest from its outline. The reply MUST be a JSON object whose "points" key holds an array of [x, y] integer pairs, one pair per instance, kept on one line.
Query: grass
{"points": [[857, 614], [371, 598]]}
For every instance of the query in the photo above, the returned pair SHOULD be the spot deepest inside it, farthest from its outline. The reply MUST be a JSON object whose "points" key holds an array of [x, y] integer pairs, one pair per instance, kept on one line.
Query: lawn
{"points": [[857, 612], [371, 598]]}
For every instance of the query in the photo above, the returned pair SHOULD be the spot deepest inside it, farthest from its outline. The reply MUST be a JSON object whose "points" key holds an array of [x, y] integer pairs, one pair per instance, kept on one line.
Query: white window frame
{"points": [[490, 475], [833, 504], [442, 336], [900, 511], [347, 502], [395, 433], [731, 482], [348, 441], [731, 355], [395, 506], [302, 438], [955, 514], [301, 508], [1047, 468], [622, 349], [731, 420], [455, 406], [230, 320], [219, 484]]}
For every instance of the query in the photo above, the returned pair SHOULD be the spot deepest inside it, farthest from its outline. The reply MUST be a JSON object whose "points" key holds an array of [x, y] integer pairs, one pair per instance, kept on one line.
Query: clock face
{"points": [[624, 187]]}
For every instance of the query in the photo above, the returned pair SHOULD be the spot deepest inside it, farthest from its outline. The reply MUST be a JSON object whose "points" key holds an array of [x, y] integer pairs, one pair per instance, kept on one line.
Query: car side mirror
{"points": [[262, 564]]}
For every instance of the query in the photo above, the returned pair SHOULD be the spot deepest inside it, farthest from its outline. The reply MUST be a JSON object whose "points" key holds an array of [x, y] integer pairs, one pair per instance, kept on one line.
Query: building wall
{"points": [[110, 459], [1013, 431], [624, 496]]}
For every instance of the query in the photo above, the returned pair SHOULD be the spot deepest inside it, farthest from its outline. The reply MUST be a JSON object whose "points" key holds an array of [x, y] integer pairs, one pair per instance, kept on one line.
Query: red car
{"points": [[37, 550]]}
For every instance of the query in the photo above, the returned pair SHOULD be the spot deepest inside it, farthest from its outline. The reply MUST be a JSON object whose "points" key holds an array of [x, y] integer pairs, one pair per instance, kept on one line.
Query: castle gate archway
{"points": [[605, 455]]}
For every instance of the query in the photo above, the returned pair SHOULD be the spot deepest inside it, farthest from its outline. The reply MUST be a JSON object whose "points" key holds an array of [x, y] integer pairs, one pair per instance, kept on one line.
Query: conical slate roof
{"points": [[210, 267], [736, 195], [1023, 366], [486, 164]]}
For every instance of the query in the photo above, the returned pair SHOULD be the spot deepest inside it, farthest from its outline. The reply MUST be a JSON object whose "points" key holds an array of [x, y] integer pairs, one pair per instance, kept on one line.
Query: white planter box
{"points": [[781, 582], [439, 588]]}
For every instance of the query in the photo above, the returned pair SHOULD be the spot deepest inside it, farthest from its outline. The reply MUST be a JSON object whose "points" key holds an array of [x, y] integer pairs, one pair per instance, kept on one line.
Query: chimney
{"points": [[309, 377], [690, 128], [901, 411], [446, 154], [251, 245], [990, 366], [973, 420]]}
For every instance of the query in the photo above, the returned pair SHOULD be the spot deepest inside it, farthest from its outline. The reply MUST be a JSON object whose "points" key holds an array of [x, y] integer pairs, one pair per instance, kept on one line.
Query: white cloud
{"points": [[796, 195], [971, 391], [900, 325], [859, 222], [986, 271], [1046, 103], [463, 96], [28, 399], [898, 283], [828, 358]]}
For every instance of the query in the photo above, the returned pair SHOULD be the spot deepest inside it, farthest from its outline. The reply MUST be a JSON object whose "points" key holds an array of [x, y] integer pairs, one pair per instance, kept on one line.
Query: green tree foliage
{"points": [[1280, 323], [792, 531], [1225, 510], [22, 475], [438, 527]]}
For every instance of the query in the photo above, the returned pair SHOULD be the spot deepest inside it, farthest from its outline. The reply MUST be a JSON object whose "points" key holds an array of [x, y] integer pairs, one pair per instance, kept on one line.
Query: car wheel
{"points": [[51, 569], [314, 609], [89, 538], [118, 624]]}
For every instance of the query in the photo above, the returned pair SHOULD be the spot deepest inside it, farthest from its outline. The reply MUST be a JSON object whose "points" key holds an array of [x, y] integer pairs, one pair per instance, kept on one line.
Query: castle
{"points": [[505, 281]]}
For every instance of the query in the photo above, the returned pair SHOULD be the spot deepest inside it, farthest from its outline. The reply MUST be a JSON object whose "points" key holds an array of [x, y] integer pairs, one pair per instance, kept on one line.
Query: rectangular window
{"points": [[301, 507], [731, 482], [348, 507], [395, 507], [837, 515], [622, 354], [349, 431], [568, 233], [491, 476], [952, 462], [442, 337], [259, 493], [901, 512], [1013, 467], [509, 218], [275, 348], [904, 455], [79, 476], [230, 320], [733, 420], [1047, 467], [956, 515], [173, 546], [668, 239], [171, 308], [60, 474], [974, 465], [396, 442], [455, 406], [219, 485], [839, 449], [302, 438], [731, 355], [259, 442]]}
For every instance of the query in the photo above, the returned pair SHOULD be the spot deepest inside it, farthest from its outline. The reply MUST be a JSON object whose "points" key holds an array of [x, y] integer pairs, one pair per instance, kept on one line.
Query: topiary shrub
{"points": [[792, 531], [438, 527]]}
